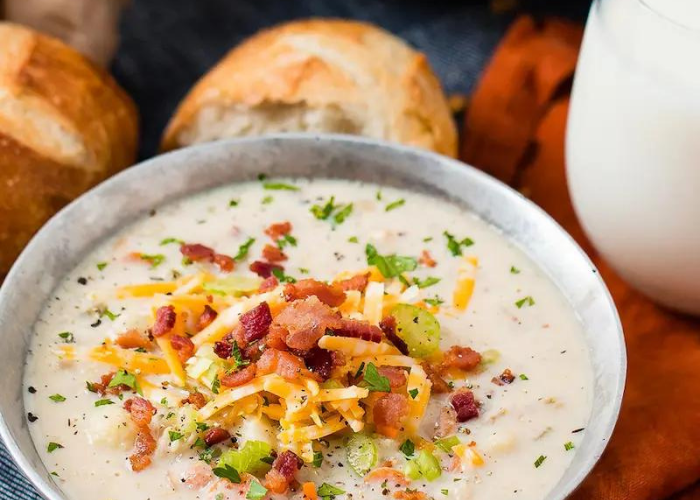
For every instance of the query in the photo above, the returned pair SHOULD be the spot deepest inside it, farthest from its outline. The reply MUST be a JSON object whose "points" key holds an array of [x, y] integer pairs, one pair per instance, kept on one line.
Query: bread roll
{"points": [[64, 126], [318, 76]]}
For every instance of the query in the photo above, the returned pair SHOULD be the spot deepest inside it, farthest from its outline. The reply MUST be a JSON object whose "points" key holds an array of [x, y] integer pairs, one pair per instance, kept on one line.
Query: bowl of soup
{"points": [[303, 316]]}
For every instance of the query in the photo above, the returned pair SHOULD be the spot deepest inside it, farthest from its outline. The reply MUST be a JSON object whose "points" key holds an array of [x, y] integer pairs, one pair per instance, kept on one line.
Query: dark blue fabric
{"points": [[168, 44]]}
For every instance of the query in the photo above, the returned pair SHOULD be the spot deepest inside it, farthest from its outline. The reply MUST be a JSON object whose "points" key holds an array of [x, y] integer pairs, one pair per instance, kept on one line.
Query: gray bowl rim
{"points": [[122, 179]]}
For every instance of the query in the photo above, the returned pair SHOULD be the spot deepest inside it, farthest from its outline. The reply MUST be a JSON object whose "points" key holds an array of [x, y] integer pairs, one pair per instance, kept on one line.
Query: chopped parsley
{"points": [[267, 200], [57, 398], [286, 240], [455, 246], [243, 250], [328, 209], [238, 357], [164, 401], [233, 203], [326, 490], [283, 278], [53, 447], [523, 377], [304, 270], [262, 177], [67, 337], [256, 491], [318, 459], [167, 241], [390, 266], [279, 186], [103, 402], [202, 426], [526, 301], [101, 265], [175, 436], [540, 460], [427, 239], [394, 204], [90, 386], [122, 377], [436, 301], [514, 270], [373, 381], [407, 448], [343, 214], [106, 312], [199, 443], [429, 281], [154, 259], [379, 195], [353, 239], [569, 446], [216, 385], [445, 491], [227, 472], [413, 393]]}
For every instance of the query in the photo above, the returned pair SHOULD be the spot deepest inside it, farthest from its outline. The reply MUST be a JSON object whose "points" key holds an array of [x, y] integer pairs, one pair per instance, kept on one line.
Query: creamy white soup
{"points": [[307, 339]]}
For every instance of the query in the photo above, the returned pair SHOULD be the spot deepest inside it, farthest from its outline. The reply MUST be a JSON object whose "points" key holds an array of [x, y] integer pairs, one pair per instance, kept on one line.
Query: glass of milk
{"points": [[633, 144]]}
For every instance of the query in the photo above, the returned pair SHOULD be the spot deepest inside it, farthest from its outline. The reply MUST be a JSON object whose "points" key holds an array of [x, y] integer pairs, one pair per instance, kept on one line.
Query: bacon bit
{"points": [[462, 358], [306, 321], [268, 284], [331, 295], [239, 377], [216, 435], [223, 349], [358, 283], [439, 384], [144, 446], [279, 229], [256, 322], [183, 346], [101, 386], [206, 318], [359, 329], [225, 263], [321, 362], [410, 495], [195, 399], [133, 339], [465, 405], [275, 339], [447, 422], [391, 476], [273, 254], [388, 326], [284, 364], [284, 468], [264, 269], [426, 259], [197, 253], [388, 412], [252, 352], [141, 410], [506, 377], [198, 476], [165, 321], [396, 375]]}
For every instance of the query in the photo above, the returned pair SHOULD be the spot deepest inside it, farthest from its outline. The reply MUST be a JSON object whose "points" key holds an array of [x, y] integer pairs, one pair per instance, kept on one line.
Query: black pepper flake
{"points": [[82, 281], [32, 390], [96, 323], [31, 417], [152, 212], [577, 430]]}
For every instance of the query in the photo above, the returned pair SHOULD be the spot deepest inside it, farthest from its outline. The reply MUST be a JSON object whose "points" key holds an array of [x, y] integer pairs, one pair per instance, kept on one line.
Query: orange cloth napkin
{"points": [[514, 130]]}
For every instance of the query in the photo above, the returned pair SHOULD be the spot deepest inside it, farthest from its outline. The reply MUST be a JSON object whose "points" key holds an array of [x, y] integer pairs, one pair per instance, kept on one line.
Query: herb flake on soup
{"points": [[307, 339]]}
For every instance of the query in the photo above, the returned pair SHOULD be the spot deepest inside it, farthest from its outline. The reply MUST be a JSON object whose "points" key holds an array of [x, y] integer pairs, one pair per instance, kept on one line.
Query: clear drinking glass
{"points": [[633, 144]]}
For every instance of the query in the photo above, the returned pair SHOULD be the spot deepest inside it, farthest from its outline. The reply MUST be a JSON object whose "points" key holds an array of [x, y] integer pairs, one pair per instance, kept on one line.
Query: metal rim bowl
{"points": [[79, 227]]}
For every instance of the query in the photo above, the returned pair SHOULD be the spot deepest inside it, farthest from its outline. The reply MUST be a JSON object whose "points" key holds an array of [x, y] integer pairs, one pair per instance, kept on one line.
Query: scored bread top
{"points": [[65, 125], [319, 75]]}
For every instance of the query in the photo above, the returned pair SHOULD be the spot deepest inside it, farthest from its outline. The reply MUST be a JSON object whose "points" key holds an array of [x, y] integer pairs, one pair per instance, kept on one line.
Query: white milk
{"points": [[633, 145]]}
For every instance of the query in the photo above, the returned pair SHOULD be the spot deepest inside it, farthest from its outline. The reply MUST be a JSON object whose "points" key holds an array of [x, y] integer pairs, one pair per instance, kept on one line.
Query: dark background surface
{"points": [[168, 44]]}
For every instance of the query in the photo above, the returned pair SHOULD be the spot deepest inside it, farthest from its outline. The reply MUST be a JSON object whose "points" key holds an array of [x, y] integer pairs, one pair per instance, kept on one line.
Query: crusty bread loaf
{"points": [[64, 126], [319, 76]]}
